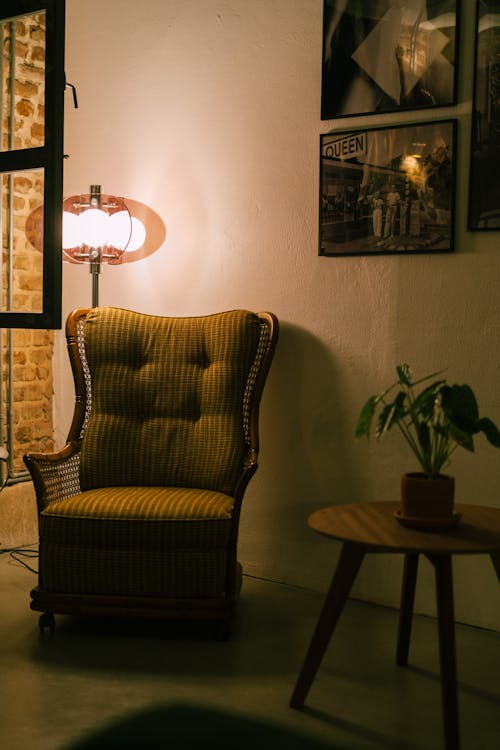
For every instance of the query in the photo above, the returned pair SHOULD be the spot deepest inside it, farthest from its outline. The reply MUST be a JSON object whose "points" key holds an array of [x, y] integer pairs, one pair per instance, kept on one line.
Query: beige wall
{"points": [[209, 111]]}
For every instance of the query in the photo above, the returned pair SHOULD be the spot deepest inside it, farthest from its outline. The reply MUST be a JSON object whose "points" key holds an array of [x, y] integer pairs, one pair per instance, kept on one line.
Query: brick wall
{"points": [[29, 351]]}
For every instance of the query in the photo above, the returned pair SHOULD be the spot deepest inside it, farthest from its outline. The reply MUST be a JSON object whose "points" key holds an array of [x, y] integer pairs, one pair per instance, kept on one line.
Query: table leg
{"points": [[406, 608], [495, 559], [446, 625], [351, 557]]}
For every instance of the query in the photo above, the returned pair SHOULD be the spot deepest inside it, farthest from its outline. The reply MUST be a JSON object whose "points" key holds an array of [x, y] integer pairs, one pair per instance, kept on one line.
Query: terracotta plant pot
{"points": [[424, 499]]}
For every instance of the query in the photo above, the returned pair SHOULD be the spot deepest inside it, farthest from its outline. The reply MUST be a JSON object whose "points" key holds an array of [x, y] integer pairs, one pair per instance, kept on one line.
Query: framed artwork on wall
{"points": [[484, 187], [388, 190], [387, 55]]}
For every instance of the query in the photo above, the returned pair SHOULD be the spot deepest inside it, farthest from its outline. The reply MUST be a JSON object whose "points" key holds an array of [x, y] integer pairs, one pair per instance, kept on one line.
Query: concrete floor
{"points": [[54, 690]]}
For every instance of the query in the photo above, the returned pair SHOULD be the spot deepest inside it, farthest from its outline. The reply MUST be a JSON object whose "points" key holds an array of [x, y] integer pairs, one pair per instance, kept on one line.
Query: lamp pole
{"points": [[95, 252], [99, 228]]}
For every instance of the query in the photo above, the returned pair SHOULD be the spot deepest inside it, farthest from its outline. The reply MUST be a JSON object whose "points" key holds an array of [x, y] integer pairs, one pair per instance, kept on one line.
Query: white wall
{"points": [[209, 111]]}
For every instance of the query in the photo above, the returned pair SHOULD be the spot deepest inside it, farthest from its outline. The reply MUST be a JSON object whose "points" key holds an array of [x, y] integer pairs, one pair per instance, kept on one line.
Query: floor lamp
{"points": [[101, 229], [96, 229]]}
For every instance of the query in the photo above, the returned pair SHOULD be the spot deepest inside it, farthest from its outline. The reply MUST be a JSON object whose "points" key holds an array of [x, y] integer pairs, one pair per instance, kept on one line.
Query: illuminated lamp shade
{"points": [[138, 236], [96, 229], [99, 228], [148, 233]]}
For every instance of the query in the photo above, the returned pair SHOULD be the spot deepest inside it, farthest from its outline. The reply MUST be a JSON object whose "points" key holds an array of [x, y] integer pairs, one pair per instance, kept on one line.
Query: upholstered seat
{"points": [[139, 512]]}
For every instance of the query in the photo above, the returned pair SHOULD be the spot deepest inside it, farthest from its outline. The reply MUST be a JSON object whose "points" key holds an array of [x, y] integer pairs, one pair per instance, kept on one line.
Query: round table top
{"points": [[374, 526]]}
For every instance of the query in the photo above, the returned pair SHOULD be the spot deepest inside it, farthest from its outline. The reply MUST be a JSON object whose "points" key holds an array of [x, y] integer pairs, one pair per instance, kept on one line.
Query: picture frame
{"points": [[388, 190], [388, 56], [484, 187]]}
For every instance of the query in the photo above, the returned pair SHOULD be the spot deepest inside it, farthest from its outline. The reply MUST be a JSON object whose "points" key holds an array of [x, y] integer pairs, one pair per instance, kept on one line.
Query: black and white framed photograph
{"points": [[484, 188], [388, 190], [387, 55]]}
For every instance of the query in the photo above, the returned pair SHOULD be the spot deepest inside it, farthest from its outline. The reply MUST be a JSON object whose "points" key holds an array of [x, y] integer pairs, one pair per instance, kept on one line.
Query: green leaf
{"points": [[391, 414], [460, 407], [490, 430], [404, 375], [364, 424], [462, 437], [384, 419], [425, 403]]}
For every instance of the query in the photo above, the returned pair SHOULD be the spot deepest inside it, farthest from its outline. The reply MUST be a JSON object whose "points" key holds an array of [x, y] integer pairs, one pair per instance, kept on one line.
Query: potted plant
{"points": [[435, 420]]}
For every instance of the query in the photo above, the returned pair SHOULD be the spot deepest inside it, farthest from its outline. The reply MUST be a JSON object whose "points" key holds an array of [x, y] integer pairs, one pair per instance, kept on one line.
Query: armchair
{"points": [[139, 512]]}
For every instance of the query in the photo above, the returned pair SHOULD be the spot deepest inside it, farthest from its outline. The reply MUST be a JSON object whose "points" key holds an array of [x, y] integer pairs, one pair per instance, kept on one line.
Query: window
{"points": [[31, 157]]}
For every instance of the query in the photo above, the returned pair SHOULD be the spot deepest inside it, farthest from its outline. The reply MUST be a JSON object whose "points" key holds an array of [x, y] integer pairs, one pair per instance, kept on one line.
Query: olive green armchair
{"points": [[139, 512]]}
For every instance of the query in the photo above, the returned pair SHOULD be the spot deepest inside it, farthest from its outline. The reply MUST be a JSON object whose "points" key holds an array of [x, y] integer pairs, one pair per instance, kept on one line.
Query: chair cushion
{"points": [[146, 541], [140, 518], [167, 399]]}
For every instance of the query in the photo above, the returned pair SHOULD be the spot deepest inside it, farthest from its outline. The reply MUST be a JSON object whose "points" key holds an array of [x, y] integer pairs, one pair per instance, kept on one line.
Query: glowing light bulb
{"points": [[93, 227], [70, 230]]}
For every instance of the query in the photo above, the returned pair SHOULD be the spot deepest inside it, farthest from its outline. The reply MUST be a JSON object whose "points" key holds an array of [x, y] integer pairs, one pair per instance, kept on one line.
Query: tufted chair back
{"points": [[166, 398]]}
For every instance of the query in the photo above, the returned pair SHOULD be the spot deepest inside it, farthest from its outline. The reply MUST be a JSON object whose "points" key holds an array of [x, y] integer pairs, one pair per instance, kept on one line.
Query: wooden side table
{"points": [[371, 527]]}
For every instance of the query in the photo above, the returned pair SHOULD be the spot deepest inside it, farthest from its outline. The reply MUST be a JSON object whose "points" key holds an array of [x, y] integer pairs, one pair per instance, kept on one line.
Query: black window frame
{"points": [[49, 157]]}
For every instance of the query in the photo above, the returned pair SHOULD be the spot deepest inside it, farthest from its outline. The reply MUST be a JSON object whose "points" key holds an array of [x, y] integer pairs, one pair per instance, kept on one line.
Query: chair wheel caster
{"points": [[47, 620]]}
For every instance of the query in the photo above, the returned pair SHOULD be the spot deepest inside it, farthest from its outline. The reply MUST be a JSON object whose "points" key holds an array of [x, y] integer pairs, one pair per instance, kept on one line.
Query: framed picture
{"points": [[387, 55], [388, 190], [484, 187]]}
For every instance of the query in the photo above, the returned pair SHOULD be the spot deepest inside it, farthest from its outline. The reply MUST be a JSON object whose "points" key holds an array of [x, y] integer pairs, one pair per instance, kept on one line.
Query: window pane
{"points": [[23, 81], [26, 403], [31, 138], [22, 241]]}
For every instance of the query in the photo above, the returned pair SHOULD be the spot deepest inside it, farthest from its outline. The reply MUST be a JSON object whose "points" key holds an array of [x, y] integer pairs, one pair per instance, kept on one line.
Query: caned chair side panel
{"points": [[76, 350], [269, 330]]}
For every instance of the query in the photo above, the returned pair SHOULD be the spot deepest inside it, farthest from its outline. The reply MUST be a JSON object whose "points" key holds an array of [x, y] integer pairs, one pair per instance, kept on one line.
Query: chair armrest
{"points": [[56, 476]]}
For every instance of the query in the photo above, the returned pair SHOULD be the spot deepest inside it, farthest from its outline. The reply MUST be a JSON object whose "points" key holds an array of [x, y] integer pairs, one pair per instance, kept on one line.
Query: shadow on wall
{"points": [[305, 421]]}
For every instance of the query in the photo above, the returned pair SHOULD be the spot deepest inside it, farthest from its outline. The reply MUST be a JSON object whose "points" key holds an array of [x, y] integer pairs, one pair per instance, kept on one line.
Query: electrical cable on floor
{"points": [[16, 553], [273, 580]]}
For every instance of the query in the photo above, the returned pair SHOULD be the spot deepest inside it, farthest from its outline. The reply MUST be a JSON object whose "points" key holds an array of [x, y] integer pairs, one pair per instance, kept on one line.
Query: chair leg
{"points": [[446, 625], [348, 565], [406, 608], [47, 620]]}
